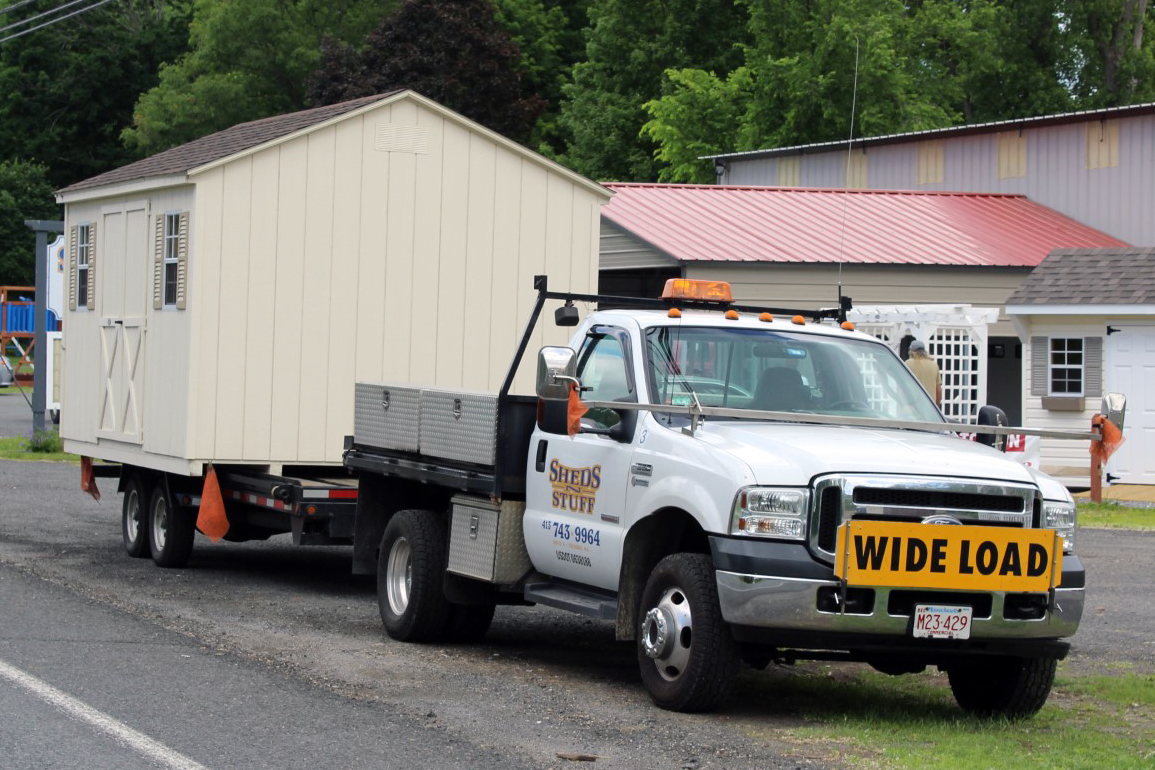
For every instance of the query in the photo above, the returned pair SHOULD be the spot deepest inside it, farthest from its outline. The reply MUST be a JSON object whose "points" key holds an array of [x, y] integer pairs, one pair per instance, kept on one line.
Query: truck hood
{"points": [[791, 454]]}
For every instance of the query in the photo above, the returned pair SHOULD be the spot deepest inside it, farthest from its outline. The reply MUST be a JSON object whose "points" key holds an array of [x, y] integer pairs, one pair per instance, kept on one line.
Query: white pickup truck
{"points": [[735, 484]]}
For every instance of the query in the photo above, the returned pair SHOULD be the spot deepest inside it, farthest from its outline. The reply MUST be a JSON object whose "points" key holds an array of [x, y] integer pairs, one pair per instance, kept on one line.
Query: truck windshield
{"points": [[782, 372]]}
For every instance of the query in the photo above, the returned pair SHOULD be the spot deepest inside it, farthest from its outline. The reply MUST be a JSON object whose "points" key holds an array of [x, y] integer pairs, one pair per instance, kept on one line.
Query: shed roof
{"points": [[230, 141], [1114, 276], [713, 223], [1105, 113]]}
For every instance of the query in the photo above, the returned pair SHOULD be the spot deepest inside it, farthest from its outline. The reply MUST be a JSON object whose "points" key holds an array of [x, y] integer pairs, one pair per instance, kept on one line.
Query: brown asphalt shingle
{"points": [[222, 144], [1103, 276]]}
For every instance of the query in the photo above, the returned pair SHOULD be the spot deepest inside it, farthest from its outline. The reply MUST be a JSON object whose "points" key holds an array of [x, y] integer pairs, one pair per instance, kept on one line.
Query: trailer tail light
{"points": [[685, 288]]}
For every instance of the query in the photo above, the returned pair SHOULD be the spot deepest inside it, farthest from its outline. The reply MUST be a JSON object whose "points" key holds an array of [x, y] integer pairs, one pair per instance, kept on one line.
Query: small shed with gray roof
{"points": [[225, 295], [1087, 320]]}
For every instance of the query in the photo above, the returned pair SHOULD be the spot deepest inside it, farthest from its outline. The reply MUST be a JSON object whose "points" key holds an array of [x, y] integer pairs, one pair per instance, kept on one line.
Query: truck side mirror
{"points": [[1114, 408], [992, 415], [556, 371]]}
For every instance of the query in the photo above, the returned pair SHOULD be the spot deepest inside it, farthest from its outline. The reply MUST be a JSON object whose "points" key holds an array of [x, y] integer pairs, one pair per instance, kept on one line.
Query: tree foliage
{"points": [[631, 44], [67, 90], [247, 59], [455, 52], [25, 193]]}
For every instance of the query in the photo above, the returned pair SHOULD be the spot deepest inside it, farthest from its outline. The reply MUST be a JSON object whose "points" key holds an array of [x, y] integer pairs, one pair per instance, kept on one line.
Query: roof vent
{"points": [[392, 137]]}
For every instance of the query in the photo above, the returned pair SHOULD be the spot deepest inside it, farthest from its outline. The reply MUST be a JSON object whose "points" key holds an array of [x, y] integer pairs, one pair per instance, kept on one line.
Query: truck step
{"points": [[583, 601]]}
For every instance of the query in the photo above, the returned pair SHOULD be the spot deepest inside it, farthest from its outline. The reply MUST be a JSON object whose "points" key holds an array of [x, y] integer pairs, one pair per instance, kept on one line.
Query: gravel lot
{"points": [[543, 682]]}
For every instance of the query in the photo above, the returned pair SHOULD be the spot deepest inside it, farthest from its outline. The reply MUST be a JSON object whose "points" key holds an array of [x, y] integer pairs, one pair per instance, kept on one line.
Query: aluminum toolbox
{"points": [[387, 416], [459, 425], [486, 541]]}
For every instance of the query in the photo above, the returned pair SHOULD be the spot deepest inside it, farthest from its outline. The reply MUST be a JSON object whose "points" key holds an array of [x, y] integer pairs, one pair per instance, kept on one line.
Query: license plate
{"points": [[937, 621]]}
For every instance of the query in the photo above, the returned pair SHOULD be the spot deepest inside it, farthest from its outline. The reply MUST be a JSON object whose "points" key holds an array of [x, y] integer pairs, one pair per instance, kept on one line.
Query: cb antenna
{"points": [[846, 175]]}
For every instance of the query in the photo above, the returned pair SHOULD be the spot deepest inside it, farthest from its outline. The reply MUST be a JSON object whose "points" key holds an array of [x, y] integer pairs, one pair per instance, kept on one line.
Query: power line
{"points": [[53, 21], [49, 12], [14, 6]]}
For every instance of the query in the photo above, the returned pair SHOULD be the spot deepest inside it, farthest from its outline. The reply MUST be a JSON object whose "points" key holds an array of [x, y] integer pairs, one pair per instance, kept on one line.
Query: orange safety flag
{"points": [[211, 518], [575, 411], [1112, 438], [88, 478]]}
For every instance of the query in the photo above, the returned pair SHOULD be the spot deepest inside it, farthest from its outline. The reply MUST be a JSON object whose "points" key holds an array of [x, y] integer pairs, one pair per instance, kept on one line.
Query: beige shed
{"points": [[225, 295]]}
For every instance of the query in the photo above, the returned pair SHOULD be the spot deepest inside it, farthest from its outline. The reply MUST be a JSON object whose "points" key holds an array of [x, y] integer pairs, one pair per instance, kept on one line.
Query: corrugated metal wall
{"points": [[1060, 171]]}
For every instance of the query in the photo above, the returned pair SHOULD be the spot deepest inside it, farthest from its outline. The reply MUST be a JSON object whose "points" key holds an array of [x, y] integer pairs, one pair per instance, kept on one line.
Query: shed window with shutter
{"points": [[83, 262], [170, 261]]}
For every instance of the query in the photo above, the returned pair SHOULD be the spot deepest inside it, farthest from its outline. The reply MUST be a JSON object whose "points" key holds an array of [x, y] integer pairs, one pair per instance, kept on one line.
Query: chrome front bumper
{"points": [[791, 604]]}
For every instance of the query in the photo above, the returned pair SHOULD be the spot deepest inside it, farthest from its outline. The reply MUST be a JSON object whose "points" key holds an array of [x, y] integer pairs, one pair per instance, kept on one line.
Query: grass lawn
{"points": [[859, 718], [1115, 516]]}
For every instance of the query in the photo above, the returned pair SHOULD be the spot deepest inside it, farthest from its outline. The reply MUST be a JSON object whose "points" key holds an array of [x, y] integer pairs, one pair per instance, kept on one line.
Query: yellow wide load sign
{"points": [[978, 558]]}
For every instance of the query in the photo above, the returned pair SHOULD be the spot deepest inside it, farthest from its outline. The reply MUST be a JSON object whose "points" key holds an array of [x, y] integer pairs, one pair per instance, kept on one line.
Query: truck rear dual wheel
{"points": [[687, 656], [171, 529], [410, 584], [134, 518], [1004, 686]]}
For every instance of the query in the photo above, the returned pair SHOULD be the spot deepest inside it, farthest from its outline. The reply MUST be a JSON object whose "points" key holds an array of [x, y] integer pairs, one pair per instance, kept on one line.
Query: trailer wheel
{"points": [[170, 529], [1015, 688], [134, 518], [469, 622], [410, 571], [687, 656]]}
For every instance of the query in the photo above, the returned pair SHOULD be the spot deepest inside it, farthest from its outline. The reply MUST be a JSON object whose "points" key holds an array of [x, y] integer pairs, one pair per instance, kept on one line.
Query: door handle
{"points": [[542, 444]]}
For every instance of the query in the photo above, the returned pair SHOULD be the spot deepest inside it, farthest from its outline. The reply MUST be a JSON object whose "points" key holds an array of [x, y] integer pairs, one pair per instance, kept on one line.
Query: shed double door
{"points": [[1130, 369], [125, 266]]}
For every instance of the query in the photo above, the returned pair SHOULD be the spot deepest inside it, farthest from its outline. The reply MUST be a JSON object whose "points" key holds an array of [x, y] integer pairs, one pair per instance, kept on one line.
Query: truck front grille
{"points": [[839, 498]]}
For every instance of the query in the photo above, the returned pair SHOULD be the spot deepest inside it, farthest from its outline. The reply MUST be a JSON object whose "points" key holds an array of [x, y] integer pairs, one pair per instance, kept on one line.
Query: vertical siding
{"points": [[261, 302], [451, 288], [479, 257], [1116, 199]]}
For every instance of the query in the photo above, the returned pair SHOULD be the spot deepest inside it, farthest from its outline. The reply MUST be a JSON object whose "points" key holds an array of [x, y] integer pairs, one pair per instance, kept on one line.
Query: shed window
{"points": [[171, 258], [1065, 373], [83, 261]]}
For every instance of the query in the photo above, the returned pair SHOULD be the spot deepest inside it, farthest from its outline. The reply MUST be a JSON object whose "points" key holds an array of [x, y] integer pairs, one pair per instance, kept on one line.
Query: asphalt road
{"points": [[287, 664]]}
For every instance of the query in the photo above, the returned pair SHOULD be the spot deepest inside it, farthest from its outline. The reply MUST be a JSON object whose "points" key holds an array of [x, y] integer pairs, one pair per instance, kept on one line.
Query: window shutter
{"points": [[92, 266], [72, 271], [158, 263], [1040, 350], [1093, 367], [182, 262]]}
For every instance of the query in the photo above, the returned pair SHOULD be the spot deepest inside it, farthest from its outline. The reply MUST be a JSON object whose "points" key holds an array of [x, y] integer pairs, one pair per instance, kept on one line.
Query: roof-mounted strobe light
{"points": [[731, 315], [800, 320], [847, 325], [684, 288], [766, 317]]}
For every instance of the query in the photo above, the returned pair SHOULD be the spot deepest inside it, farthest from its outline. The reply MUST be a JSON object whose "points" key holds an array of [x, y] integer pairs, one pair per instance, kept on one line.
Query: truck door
{"points": [[576, 486]]}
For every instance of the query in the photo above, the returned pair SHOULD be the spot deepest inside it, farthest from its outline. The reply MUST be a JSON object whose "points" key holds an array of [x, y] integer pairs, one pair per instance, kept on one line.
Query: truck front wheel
{"points": [[134, 518], [687, 656], [410, 570], [1009, 687]]}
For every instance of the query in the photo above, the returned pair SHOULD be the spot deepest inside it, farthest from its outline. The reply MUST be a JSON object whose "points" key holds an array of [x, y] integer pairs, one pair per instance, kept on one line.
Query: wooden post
{"points": [[1096, 463]]}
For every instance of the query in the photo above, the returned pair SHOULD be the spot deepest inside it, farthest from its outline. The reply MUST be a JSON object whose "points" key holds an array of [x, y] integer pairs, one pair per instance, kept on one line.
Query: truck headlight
{"points": [[1061, 517], [770, 512]]}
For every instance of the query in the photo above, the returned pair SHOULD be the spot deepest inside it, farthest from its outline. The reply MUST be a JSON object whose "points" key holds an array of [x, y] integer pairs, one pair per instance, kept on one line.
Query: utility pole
{"points": [[42, 227]]}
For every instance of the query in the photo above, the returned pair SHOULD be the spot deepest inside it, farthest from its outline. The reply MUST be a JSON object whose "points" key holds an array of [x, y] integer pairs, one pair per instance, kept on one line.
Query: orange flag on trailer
{"points": [[1112, 438], [88, 478], [576, 410], [211, 518]]}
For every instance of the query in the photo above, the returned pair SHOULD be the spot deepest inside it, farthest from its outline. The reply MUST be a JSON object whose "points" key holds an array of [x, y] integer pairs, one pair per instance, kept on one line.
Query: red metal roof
{"points": [[708, 223]]}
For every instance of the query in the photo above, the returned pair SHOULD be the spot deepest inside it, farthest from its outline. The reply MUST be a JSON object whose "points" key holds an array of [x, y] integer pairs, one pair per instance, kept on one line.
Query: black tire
{"points": [[1015, 688], [686, 653], [410, 574], [469, 622], [134, 518], [171, 529]]}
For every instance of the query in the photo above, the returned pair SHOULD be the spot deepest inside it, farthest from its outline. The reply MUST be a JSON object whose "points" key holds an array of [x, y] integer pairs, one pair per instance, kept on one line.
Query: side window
{"points": [[171, 255], [83, 263], [170, 261], [602, 370], [1065, 371]]}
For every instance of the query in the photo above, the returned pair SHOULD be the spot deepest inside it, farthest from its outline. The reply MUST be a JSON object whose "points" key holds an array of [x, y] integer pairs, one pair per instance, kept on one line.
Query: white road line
{"points": [[122, 733]]}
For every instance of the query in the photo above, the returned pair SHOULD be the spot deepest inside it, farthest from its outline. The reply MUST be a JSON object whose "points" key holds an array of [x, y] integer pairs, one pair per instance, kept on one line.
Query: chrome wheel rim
{"points": [[159, 522], [667, 634], [132, 515], [399, 576]]}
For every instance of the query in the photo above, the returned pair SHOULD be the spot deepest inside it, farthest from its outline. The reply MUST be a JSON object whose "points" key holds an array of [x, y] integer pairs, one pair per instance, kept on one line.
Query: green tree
{"points": [[25, 193], [453, 51], [247, 59], [67, 90], [1115, 61], [630, 46]]}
